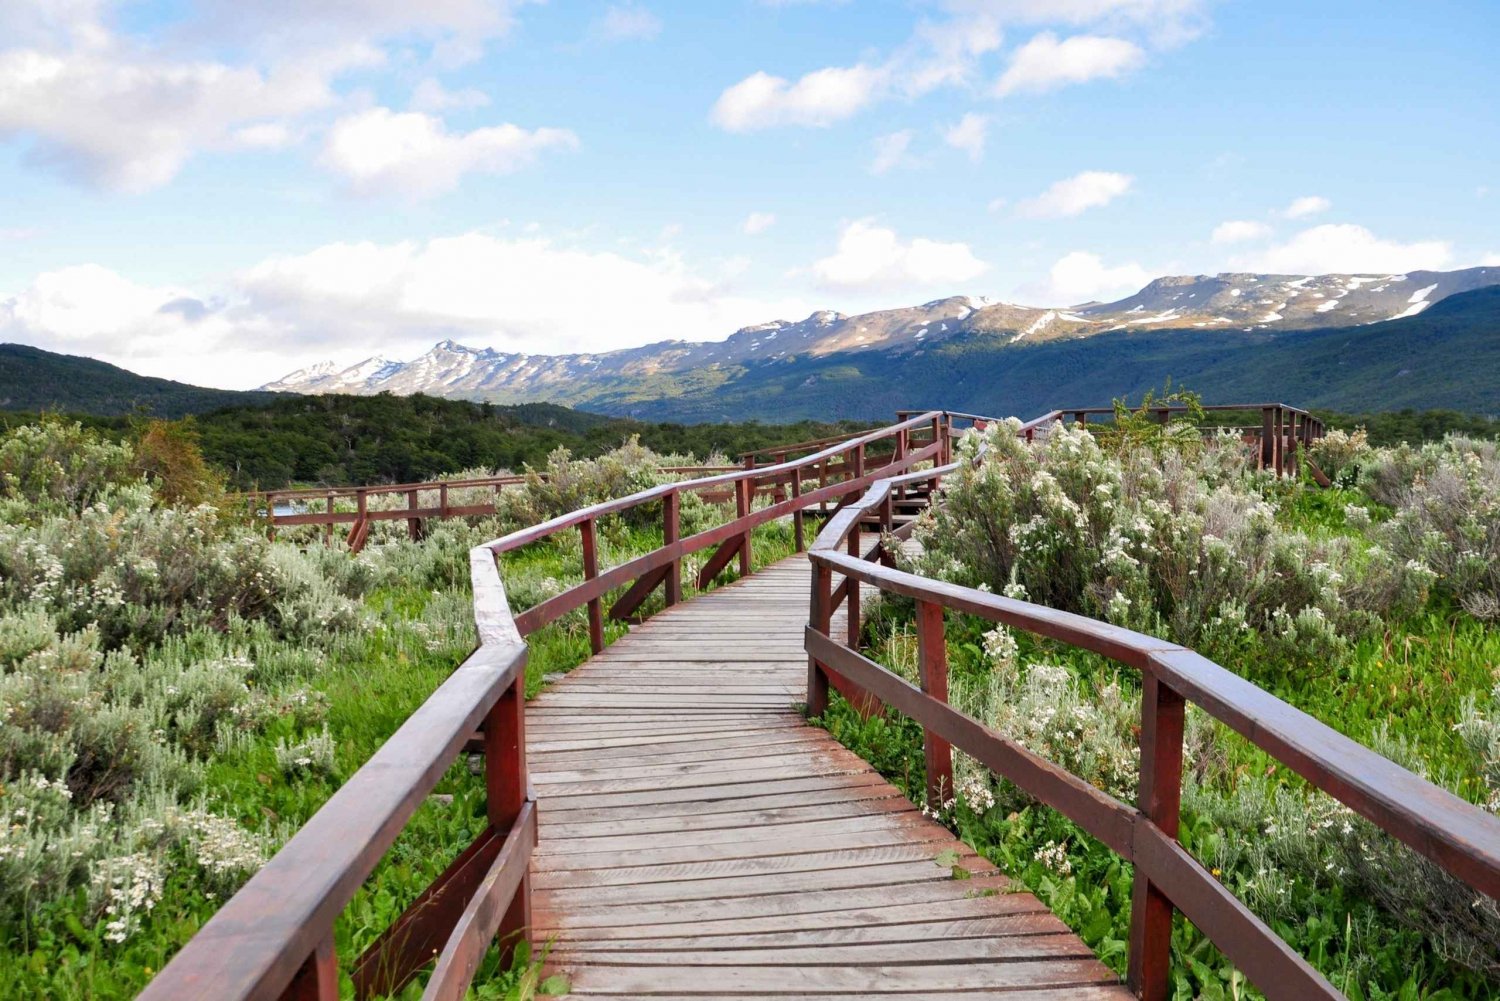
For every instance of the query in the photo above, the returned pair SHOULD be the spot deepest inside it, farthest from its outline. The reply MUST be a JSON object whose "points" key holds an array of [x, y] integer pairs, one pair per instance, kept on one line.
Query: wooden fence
{"points": [[274, 938], [1461, 838]]}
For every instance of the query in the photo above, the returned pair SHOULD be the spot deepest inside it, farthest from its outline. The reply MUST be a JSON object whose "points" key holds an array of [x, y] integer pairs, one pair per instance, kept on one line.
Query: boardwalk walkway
{"points": [[699, 839]]}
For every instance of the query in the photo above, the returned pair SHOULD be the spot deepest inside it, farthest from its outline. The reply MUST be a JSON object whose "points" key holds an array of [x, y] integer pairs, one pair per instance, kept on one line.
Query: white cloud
{"points": [[129, 120], [1300, 208], [352, 300], [626, 22], [1490, 261], [413, 154], [891, 152], [757, 222], [1335, 247], [1081, 276], [1044, 63], [1166, 22], [870, 256], [1077, 194], [432, 97], [1240, 231], [819, 99], [968, 134]]}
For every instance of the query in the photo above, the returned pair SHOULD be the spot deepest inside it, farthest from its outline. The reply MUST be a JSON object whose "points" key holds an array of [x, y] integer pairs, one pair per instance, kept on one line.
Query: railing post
{"points": [[671, 531], [901, 444], [1162, 711], [852, 604], [443, 499], [328, 528], [1267, 438], [797, 513], [744, 497], [413, 523], [820, 615], [932, 658], [505, 794], [942, 435], [317, 978], [590, 571]]}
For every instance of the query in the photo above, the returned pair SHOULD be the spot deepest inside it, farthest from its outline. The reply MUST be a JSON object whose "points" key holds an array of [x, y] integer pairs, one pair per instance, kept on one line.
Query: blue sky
{"points": [[220, 192]]}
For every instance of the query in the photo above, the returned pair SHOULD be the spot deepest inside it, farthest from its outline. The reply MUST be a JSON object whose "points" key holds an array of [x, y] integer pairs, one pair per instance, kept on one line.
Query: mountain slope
{"points": [[32, 379], [681, 371]]}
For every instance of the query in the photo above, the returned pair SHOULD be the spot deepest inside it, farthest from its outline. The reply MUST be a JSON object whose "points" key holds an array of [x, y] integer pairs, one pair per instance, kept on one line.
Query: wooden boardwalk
{"points": [[698, 839]]}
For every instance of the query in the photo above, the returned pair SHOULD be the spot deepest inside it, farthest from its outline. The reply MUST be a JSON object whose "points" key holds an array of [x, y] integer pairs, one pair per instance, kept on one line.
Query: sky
{"points": [[220, 192]]}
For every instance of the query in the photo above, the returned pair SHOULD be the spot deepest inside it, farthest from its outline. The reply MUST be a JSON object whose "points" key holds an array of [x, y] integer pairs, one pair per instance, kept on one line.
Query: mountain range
{"points": [[705, 380]]}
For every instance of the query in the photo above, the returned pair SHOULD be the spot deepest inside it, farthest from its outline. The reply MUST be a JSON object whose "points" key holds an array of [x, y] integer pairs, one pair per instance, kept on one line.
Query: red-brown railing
{"points": [[1461, 838], [274, 938]]}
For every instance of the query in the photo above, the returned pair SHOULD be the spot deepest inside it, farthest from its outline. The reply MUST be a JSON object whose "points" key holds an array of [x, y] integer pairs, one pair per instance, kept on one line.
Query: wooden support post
{"points": [[1280, 458], [413, 523], [590, 571], [897, 460], [1267, 438], [671, 531], [940, 434], [797, 530], [744, 496], [932, 659], [820, 614], [443, 499], [328, 528], [1162, 711], [505, 791], [778, 492], [317, 978], [853, 601]]}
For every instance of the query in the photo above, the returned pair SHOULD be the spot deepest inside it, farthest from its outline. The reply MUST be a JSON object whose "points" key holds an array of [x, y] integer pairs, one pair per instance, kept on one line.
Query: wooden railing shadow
{"points": [[1461, 838]]}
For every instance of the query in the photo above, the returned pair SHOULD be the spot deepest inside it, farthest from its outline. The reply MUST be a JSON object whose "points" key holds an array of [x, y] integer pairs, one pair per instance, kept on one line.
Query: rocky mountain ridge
{"points": [[1230, 301]]}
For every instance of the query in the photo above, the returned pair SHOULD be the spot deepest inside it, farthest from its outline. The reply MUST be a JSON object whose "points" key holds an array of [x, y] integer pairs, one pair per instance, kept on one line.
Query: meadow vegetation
{"points": [[178, 694], [1369, 605]]}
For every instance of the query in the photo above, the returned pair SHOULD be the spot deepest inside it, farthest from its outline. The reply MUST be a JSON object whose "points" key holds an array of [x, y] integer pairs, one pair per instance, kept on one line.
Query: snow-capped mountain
{"points": [[1226, 301]]}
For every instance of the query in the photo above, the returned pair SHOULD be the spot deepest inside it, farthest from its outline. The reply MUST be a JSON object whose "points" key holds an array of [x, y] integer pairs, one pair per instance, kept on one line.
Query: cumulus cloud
{"points": [[757, 222], [818, 99], [351, 300], [1081, 276], [1342, 247], [432, 97], [1046, 63], [870, 256], [413, 154], [1240, 231], [626, 22], [1077, 194], [1301, 208], [968, 134]]}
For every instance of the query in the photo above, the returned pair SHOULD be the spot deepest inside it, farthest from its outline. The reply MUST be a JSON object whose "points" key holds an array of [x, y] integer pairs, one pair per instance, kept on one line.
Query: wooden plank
{"points": [[1066, 973], [993, 949]]}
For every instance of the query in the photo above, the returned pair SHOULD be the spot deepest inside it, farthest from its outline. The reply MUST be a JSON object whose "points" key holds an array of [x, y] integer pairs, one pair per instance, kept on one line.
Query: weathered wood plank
{"points": [[694, 831]]}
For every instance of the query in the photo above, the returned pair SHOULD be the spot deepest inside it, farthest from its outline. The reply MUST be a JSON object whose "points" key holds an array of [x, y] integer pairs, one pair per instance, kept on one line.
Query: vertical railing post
{"points": [[413, 523], [671, 531], [820, 615], [328, 528], [941, 434], [797, 530], [590, 571], [317, 979], [1267, 438], [443, 499], [744, 496], [932, 659], [505, 791], [901, 445], [852, 603], [1280, 441], [1162, 711]]}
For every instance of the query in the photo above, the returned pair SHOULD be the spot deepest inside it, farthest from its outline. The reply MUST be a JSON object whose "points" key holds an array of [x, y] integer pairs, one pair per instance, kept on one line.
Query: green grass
{"points": [[1405, 684]]}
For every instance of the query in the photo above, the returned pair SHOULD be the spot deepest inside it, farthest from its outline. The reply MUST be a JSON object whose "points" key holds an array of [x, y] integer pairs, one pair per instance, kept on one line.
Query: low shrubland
{"points": [[178, 693], [1366, 605]]}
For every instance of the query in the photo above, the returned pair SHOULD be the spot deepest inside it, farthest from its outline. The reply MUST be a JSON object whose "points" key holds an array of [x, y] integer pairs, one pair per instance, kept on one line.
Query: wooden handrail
{"points": [[1456, 835]]}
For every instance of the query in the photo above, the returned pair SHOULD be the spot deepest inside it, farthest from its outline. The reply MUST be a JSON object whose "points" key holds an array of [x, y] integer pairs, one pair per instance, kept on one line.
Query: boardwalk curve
{"points": [[698, 838]]}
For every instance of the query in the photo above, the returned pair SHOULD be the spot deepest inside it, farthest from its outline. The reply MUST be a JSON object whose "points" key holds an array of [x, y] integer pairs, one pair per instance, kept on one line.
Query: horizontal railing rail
{"points": [[835, 474], [1461, 838], [274, 938]]}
